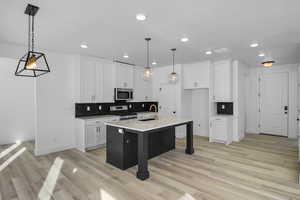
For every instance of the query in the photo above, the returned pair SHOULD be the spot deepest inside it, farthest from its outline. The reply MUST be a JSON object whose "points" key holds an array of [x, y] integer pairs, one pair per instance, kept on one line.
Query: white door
{"points": [[274, 103], [167, 99]]}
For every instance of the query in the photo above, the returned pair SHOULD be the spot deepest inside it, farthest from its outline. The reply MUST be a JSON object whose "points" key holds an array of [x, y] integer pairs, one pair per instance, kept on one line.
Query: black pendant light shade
{"points": [[32, 64]]}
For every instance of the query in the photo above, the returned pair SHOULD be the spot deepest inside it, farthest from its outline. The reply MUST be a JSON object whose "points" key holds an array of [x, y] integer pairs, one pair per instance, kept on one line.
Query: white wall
{"points": [[16, 104], [55, 105], [51, 99], [252, 119]]}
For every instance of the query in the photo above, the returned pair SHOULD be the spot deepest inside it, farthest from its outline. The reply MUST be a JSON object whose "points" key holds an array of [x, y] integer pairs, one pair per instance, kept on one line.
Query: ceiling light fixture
{"points": [[268, 63], [261, 55], [208, 52], [140, 17], [253, 45], [32, 64], [154, 63], [173, 77], [147, 70], [84, 46], [184, 39], [125, 56]]}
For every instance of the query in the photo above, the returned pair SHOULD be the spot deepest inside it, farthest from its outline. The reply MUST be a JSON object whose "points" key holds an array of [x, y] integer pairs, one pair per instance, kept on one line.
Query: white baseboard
{"points": [[44, 151]]}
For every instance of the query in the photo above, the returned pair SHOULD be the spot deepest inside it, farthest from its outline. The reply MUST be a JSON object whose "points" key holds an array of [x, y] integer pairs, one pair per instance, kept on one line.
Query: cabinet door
{"points": [[87, 80], [124, 76], [102, 134], [109, 81], [91, 136], [196, 75], [218, 129], [99, 80], [222, 81]]}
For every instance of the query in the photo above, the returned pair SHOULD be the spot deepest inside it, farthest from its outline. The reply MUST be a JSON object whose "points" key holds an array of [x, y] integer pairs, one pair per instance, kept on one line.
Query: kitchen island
{"points": [[132, 142]]}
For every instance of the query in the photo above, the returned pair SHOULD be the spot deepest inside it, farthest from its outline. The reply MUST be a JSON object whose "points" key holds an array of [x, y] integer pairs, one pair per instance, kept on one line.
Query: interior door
{"points": [[167, 99], [274, 103]]}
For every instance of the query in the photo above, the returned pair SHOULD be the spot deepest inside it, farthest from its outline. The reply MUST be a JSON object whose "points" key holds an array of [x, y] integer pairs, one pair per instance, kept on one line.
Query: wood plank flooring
{"points": [[260, 167]]}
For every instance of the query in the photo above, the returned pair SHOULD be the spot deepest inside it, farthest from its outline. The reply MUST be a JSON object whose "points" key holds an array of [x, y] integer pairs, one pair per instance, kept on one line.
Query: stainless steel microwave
{"points": [[123, 94]]}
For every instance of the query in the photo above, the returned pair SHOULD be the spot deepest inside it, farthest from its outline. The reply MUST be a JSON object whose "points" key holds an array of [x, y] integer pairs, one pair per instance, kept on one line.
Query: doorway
{"points": [[274, 103]]}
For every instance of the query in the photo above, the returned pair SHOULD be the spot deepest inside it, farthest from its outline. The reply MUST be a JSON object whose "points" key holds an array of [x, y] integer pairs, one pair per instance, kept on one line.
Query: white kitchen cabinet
{"points": [[142, 88], [196, 75], [109, 81], [222, 83], [124, 76], [92, 136], [220, 129], [91, 79], [91, 133]]}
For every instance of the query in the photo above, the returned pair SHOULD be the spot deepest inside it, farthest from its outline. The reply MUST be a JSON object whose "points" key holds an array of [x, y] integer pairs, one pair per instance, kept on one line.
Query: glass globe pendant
{"points": [[173, 76], [147, 70]]}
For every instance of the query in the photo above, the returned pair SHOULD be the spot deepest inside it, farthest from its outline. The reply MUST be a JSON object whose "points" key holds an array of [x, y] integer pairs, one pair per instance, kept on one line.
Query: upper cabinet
{"points": [[94, 85], [196, 75], [91, 79], [124, 76], [99, 77], [222, 81]]}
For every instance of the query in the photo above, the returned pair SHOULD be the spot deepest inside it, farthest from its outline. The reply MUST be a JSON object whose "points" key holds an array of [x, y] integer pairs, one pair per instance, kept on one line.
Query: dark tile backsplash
{"points": [[90, 109]]}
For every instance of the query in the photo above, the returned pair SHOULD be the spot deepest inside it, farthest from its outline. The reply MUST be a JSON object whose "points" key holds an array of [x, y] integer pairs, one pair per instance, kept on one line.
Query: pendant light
{"points": [[147, 70], [32, 64], [173, 77]]}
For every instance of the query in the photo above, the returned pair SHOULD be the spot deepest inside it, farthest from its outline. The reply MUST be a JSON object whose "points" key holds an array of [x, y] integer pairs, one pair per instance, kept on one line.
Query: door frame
{"points": [[292, 70]]}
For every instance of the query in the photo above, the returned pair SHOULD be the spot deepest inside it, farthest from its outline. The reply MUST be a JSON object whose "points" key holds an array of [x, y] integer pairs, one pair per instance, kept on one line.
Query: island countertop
{"points": [[144, 126]]}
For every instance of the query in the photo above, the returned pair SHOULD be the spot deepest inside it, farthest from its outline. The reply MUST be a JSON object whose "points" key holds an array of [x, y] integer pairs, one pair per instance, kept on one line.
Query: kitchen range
{"points": [[132, 132]]}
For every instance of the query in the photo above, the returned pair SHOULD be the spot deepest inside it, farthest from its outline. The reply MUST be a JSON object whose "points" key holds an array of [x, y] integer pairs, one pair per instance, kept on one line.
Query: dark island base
{"points": [[126, 148], [122, 148]]}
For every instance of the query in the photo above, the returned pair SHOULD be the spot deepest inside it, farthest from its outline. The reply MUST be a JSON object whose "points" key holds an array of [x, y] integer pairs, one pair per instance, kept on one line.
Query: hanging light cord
{"points": [[32, 34], [173, 51], [147, 53], [173, 59], [29, 33]]}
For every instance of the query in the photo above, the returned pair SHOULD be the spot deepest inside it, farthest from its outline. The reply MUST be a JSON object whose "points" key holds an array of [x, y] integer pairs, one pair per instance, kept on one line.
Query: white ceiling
{"points": [[110, 28]]}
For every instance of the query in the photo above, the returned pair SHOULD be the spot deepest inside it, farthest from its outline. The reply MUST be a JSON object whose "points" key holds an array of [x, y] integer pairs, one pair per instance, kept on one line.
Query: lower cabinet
{"points": [[95, 135], [220, 129]]}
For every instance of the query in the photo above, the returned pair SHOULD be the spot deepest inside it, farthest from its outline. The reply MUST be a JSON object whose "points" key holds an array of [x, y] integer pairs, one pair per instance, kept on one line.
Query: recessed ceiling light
{"points": [[140, 17], [184, 39], [261, 55], [84, 46], [254, 45], [125, 56], [208, 52], [154, 63]]}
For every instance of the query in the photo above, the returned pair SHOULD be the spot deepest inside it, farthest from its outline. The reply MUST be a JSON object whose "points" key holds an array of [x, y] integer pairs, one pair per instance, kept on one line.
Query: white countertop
{"points": [[142, 126], [111, 116]]}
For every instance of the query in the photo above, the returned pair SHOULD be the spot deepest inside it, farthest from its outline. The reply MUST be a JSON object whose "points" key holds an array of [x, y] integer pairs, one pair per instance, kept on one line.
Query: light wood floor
{"points": [[259, 167]]}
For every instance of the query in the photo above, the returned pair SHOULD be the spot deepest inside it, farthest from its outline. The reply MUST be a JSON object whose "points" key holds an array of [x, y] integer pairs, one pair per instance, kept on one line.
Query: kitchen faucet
{"points": [[155, 108]]}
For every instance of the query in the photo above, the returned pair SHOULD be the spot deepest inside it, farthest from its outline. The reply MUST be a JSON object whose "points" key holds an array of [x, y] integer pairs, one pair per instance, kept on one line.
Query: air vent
{"points": [[126, 63]]}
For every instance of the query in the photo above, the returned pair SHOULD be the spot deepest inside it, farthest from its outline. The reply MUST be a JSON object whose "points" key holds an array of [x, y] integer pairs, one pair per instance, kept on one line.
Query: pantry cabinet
{"points": [[222, 81], [196, 75]]}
